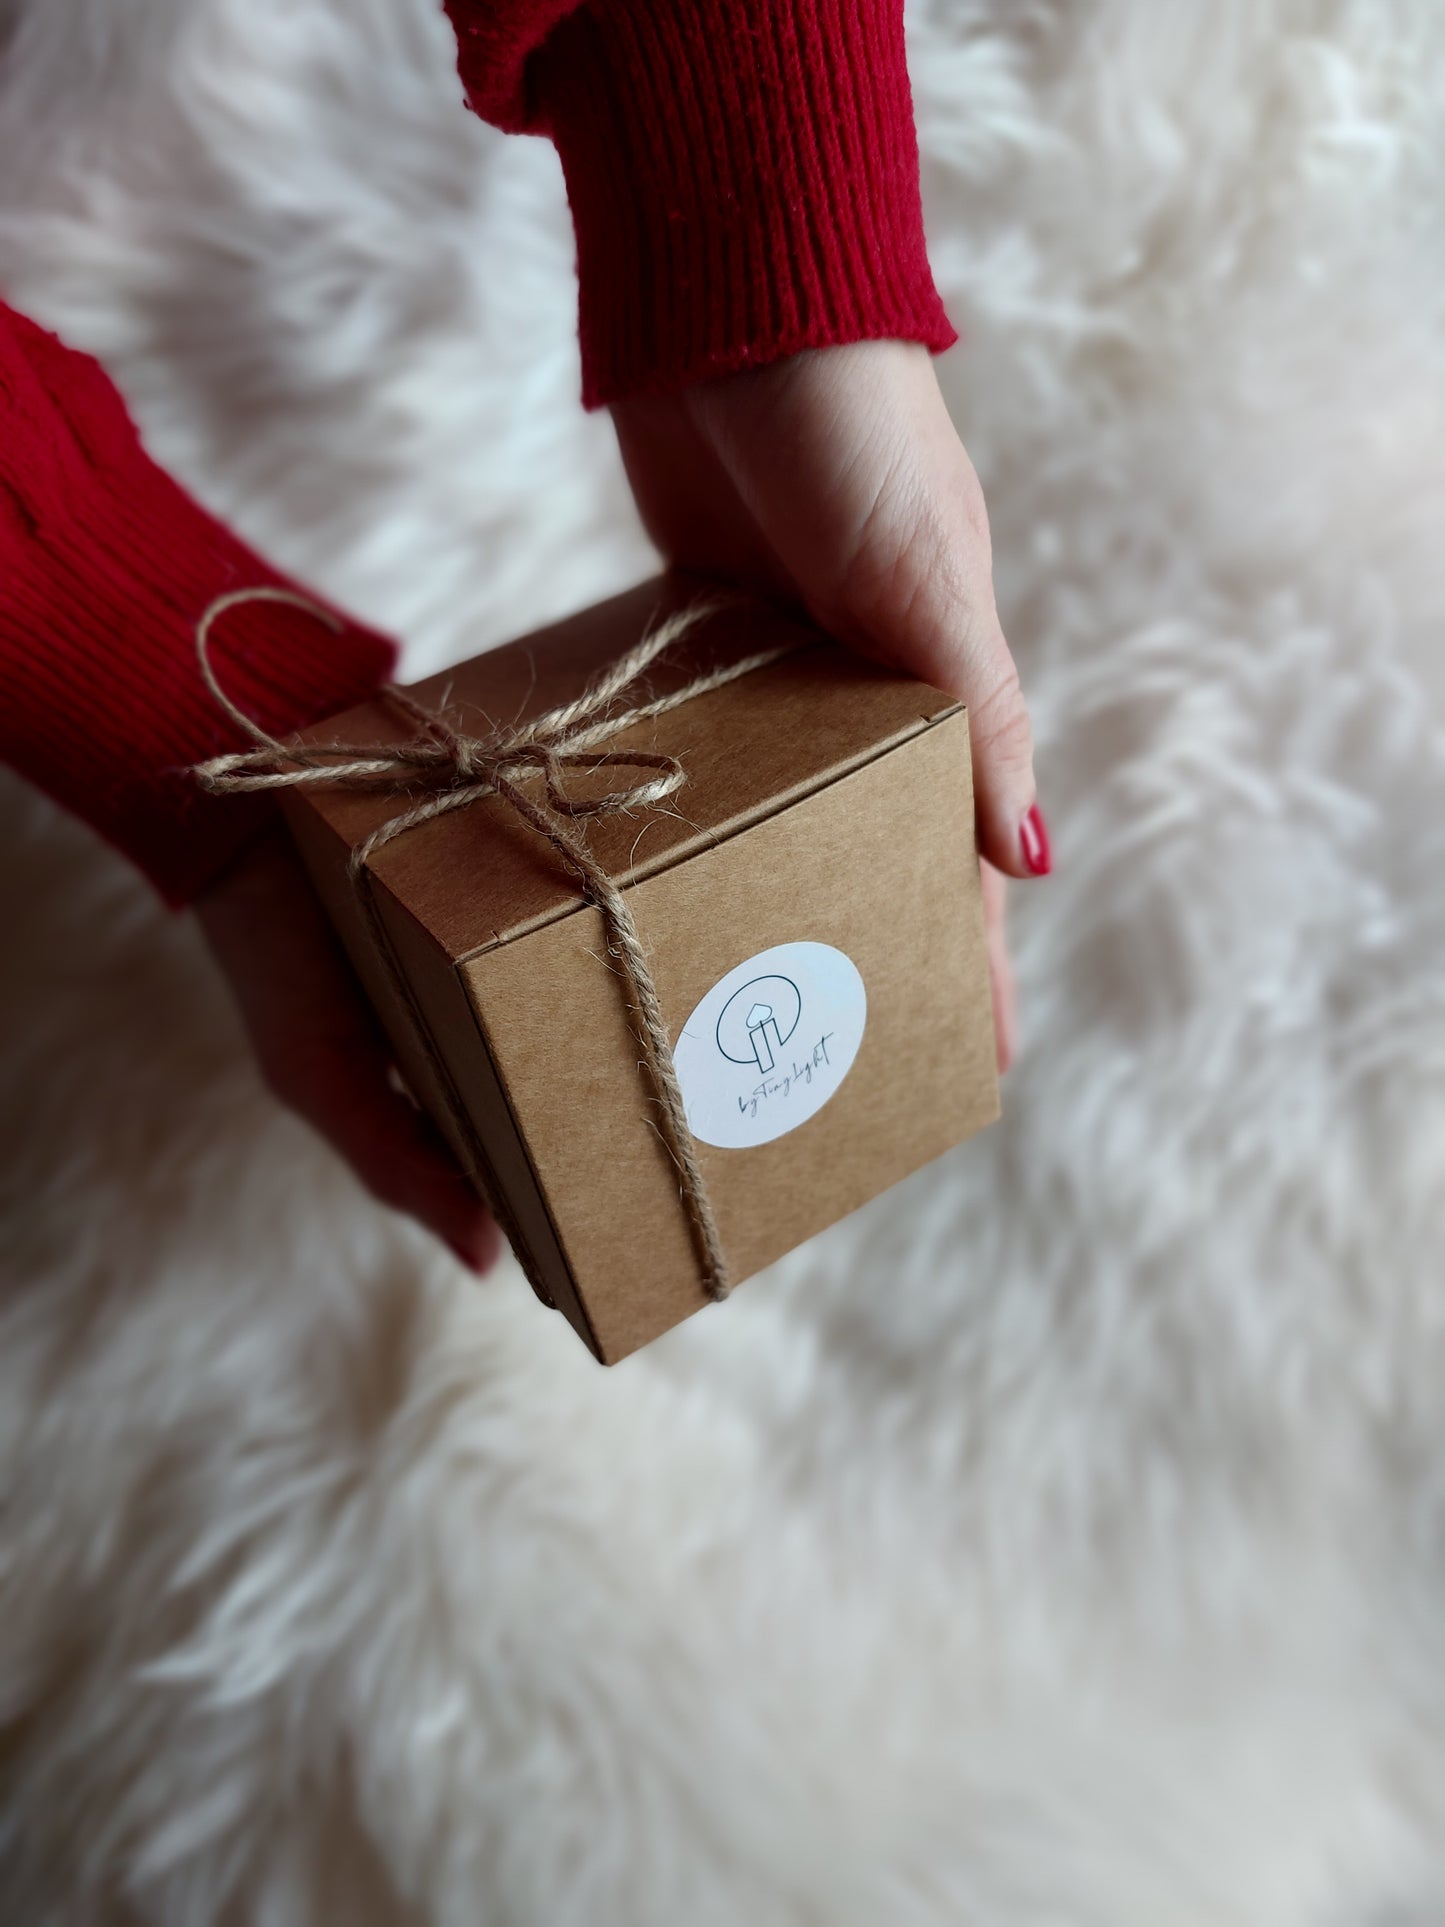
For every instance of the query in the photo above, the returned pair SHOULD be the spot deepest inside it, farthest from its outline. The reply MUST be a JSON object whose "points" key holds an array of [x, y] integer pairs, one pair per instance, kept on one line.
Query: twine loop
{"points": [[454, 769]]}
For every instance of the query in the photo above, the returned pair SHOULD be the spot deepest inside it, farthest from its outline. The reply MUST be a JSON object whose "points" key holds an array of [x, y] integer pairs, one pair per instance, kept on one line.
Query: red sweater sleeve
{"points": [[743, 177], [743, 174], [105, 566]]}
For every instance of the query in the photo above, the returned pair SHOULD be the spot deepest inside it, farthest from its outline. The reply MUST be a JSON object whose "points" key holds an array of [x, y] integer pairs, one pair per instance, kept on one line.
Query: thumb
{"points": [[858, 484], [919, 593]]}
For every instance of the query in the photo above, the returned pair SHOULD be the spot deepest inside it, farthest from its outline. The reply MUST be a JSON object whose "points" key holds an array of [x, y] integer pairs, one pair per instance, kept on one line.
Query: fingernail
{"points": [[464, 1257], [1034, 842]]}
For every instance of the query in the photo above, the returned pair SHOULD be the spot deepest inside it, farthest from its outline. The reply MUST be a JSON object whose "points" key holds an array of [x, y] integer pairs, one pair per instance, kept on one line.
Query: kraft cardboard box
{"points": [[809, 905]]}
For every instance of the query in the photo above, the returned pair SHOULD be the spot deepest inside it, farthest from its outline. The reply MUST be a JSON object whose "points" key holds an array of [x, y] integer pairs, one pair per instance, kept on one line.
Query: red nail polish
{"points": [[1034, 842], [463, 1257]]}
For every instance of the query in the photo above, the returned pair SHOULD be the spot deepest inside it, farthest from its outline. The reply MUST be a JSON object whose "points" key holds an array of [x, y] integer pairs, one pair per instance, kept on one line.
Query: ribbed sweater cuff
{"points": [[743, 176], [104, 710], [105, 567]]}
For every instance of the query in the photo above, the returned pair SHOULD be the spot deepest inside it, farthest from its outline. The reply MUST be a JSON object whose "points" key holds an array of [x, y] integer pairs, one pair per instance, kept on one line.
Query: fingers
{"points": [[340, 1084], [322, 1051], [920, 594], [976, 665]]}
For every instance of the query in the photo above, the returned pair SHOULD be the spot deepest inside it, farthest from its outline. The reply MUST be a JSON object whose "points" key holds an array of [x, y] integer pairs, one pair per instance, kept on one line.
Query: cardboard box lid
{"points": [[479, 876]]}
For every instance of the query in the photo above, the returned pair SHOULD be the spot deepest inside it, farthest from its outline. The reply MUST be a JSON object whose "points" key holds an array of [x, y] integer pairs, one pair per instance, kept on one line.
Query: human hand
{"points": [[836, 478], [321, 1050]]}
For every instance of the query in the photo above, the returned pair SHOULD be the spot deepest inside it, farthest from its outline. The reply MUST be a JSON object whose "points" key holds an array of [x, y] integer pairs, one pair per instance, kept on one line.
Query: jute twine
{"points": [[457, 770]]}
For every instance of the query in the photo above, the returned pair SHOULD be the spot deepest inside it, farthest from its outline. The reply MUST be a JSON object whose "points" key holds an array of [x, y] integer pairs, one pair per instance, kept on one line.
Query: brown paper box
{"points": [[828, 802]]}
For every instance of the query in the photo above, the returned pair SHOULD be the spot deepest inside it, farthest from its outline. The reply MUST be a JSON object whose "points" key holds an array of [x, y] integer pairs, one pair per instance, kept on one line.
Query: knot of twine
{"points": [[457, 770]]}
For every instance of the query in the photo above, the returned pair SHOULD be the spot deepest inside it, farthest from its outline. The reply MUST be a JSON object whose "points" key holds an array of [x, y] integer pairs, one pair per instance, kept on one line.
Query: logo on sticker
{"points": [[770, 1043]]}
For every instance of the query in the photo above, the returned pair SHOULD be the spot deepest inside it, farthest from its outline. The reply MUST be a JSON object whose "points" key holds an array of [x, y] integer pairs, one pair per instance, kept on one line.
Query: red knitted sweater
{"points": [[743, 178]]}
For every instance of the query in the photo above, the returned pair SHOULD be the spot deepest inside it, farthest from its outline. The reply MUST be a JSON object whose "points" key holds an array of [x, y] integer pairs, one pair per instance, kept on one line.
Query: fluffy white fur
{"points": [[1060, 1543]]}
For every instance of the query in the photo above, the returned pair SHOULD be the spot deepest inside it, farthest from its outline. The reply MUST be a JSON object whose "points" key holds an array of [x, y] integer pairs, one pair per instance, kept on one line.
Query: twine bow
{"points": [[458, 770]]}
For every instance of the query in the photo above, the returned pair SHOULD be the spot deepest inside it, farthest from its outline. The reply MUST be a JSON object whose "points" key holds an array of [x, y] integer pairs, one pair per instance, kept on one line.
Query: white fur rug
{"points": [[1061, 1543]]}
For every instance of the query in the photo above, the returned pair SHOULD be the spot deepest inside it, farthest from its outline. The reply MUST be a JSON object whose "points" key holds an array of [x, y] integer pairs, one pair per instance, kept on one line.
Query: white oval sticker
{"points": [[770, 1044]]}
